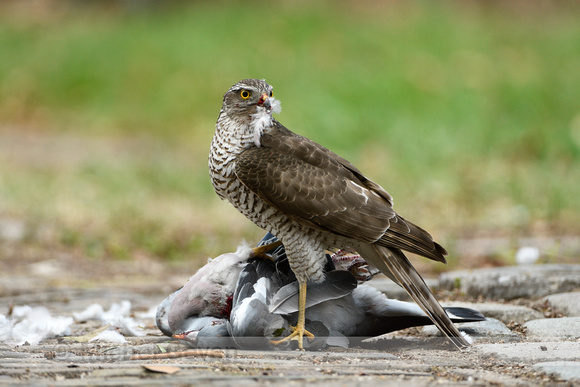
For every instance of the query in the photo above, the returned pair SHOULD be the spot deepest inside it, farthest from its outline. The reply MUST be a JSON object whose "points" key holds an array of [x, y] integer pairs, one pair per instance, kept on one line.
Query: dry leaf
{"points": [[161, 369]]}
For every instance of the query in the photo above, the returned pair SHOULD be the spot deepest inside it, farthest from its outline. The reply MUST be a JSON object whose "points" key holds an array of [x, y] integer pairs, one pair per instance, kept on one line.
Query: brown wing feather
{"points": [[318, 188]]}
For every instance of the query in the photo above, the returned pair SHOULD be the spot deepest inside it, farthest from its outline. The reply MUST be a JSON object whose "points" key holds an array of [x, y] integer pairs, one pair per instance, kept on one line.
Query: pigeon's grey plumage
{"points": [[313, 200], [336, 308], [263, 305], [201, 308]]}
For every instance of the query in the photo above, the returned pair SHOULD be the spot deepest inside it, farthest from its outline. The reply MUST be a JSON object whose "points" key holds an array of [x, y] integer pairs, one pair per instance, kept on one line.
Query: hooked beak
{"points": [[265, 102]]}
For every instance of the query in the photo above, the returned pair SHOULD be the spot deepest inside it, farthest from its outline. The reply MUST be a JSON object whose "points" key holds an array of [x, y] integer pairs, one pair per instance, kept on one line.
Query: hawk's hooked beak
{"points": [[265, 101]]}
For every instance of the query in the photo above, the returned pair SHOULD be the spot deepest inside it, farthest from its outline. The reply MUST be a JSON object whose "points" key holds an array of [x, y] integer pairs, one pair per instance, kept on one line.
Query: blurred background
{"points": [[468, 113]]}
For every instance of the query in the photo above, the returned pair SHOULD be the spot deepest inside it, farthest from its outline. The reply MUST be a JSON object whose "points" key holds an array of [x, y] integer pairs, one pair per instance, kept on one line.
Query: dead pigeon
{"points": [[201, 308], [265, 304], [237, 301]]}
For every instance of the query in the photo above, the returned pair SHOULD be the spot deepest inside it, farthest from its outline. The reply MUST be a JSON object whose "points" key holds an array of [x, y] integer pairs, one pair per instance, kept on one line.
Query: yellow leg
{"points": [[260, 252], [299, 331]]}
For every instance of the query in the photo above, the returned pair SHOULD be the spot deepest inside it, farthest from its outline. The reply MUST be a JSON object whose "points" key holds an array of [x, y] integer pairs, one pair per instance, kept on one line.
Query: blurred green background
{"points": [[468, 113]]}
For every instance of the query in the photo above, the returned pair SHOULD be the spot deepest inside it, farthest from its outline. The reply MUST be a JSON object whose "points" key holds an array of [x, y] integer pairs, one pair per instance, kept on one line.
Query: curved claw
{"points": [[300, 328], [260, 252], [296, 331]]}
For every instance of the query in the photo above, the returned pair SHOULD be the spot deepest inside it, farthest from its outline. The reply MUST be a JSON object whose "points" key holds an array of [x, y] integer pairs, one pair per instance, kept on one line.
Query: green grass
{"points": [[469, 114]]}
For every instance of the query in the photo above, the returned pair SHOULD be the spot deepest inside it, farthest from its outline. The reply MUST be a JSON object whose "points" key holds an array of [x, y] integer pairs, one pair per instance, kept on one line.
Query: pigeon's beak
{"points": [[265, 102]]}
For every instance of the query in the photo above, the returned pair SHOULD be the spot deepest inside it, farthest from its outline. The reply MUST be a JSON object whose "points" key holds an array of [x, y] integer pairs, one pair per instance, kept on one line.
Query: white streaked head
{"points": [[251, 101]]}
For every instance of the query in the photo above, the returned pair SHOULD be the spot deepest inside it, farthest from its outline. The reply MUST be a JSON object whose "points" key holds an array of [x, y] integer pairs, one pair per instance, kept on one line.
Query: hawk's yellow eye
{"points": [[245, 94], [271, 94]]}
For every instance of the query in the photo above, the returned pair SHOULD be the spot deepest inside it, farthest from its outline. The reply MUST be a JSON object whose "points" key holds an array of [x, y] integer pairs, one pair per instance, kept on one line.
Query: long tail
{"points": [[405, 274]]}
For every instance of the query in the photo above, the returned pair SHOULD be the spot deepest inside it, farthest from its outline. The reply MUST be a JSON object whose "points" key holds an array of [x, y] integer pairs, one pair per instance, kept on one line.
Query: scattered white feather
{"points": [[122, 309], [117, 316], [35, 324], [128, 326], [110, 336], [151, 313], [96, 312], [6, 326], [21, 312], [527, 255], [32, 325]]}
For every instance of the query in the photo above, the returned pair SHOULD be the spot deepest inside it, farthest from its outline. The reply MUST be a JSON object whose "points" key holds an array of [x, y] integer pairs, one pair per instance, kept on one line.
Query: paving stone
{"points": [[567, 370], [487, 378], [514, 281], [565, 303], [503, 312], [531, 352], [551, 329], [394, 291], [480, 331], [406, 357]]}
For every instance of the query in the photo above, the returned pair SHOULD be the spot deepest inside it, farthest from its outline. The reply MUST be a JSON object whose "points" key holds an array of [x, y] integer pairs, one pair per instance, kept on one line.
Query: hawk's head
{"points": [[251, 103], [249, 97]]}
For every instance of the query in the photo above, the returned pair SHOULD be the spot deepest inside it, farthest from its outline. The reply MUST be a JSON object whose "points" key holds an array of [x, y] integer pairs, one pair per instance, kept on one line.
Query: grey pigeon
{"points": [[201, 308], [258, 302], [337, 309]]}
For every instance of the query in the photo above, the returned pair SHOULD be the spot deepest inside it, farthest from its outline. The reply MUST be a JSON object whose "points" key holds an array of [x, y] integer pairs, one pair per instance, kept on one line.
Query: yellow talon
{"points": [[297, 334], [299, 330]]}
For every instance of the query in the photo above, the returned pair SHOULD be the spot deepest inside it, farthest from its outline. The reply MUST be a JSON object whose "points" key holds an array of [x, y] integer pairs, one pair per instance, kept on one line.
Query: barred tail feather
{"points": [[406, 275]]}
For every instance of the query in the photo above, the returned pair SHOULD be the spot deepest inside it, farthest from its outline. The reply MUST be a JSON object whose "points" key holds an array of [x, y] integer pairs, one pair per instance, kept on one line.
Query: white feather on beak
{"points": [[263, 117]]}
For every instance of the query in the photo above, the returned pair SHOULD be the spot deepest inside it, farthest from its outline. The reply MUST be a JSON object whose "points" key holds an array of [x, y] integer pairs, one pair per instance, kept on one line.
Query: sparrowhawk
{"points": [[313, 200]]}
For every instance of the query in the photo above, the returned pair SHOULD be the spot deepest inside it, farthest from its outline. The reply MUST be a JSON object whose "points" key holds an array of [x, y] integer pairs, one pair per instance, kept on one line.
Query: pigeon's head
{"points": [[189, 336], [196, 331]]}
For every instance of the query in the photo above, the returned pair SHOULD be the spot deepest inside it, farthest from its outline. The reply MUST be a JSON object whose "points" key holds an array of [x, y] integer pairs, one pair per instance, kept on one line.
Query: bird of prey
{"points": [[313, 200]]}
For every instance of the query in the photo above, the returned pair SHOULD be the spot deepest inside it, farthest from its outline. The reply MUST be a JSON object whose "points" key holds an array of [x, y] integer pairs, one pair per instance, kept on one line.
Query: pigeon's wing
{"points": [[252, 324], [337, 284], [245, 285], [384, 315]]}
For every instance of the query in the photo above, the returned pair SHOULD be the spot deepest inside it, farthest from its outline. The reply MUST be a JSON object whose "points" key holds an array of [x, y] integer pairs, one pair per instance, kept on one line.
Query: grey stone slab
{"points": [[567, 370], [488, 330], [565, 303], [503, 312], [551, 329], [531, 352], [514, 281], [394, 291]]}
